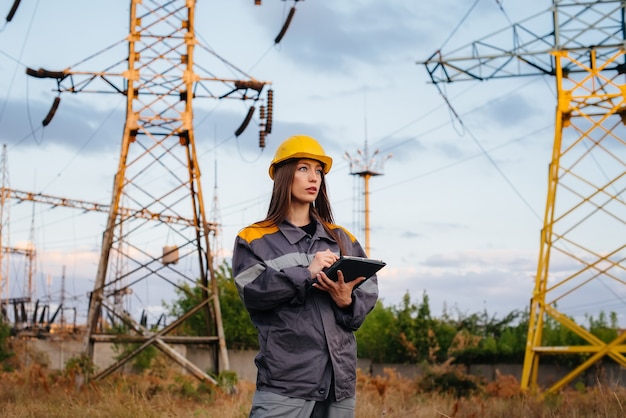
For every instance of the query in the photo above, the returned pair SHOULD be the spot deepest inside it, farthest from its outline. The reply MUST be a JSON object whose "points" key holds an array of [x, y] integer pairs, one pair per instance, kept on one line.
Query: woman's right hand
{"points": [[321, 260]]}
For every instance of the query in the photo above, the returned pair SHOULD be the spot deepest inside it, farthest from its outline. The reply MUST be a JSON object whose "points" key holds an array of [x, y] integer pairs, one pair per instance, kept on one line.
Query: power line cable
{"points": [[80, 150], [18, 60], [30, 119], [506, 15], [487, 155], [462, 160], [246, 204], [425, 115], [463, 19]]}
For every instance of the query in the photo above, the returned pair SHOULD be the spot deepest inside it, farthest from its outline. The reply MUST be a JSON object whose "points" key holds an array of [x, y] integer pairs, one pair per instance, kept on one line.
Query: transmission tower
{"points": [[585, 215], [22, 304], [158, 174]]}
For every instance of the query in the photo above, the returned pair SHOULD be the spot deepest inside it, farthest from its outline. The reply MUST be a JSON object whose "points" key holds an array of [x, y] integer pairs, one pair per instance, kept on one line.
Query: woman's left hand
{"points": [[339, 291]]}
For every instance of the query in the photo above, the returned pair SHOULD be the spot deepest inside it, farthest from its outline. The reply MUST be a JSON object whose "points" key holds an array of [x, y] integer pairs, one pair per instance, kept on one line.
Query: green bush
{"points": [[450, 380], [5, 349]]}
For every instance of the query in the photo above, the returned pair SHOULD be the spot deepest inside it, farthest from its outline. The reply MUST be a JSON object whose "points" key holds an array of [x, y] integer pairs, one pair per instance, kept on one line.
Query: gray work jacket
{"points": [[306, 341]]}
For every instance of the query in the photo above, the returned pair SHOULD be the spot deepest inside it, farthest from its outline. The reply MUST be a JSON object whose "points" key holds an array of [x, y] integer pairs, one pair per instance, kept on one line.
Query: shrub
{"points": [[449, 379]]}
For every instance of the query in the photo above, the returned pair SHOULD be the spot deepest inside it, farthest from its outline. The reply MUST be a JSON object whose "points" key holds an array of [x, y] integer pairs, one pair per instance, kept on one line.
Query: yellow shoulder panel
{"points": [[256, 231], [352, 237]]}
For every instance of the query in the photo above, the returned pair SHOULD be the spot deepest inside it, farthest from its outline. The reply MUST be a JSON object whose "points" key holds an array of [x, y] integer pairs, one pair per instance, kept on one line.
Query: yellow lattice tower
{"points": [[584, 224]]}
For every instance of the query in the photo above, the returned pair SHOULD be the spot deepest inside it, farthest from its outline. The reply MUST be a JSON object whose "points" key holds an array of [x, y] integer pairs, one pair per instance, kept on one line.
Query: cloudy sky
{"points": [[457, 213]]}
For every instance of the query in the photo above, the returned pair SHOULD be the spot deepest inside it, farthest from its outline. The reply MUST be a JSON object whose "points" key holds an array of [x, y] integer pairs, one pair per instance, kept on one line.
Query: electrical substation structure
{"points": [[157, 230], [584, 224]]}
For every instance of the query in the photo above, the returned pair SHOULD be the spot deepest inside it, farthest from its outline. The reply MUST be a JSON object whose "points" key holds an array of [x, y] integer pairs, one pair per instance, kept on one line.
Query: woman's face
{"points": [[307, 181]]}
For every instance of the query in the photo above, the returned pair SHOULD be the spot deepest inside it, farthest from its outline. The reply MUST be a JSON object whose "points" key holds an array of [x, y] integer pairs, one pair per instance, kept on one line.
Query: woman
{"points": [[305, 321]]}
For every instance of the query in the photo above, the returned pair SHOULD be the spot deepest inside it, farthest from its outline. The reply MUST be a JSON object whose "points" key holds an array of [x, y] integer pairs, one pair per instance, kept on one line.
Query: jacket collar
{"points": [[295, 234]]}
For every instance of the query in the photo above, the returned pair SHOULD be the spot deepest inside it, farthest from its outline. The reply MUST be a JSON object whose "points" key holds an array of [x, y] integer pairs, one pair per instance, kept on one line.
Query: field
{"points": [[35, 392]]}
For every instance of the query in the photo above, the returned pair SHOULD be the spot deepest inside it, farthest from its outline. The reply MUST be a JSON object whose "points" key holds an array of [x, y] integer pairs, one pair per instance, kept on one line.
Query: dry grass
{"points": [[36, 393]]}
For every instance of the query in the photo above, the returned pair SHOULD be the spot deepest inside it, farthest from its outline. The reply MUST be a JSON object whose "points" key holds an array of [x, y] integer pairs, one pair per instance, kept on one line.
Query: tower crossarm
{"points": [[71, 81], [55, 201], [525, 49], [29, 252]]}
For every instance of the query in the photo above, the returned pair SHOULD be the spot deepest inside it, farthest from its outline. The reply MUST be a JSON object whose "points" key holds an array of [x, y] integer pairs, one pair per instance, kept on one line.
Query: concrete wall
{"points": [[54, 354], [605, 373]]}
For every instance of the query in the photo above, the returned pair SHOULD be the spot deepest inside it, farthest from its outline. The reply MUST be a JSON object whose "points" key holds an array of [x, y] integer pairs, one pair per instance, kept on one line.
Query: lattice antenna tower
{"points": [[216, 219], [158, 175], [4, 236], [366, 166], [585, 216]]}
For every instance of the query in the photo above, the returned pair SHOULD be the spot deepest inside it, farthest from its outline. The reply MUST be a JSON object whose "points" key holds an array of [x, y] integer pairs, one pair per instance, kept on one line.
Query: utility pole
{"points": [[585, 226], [366, 167]]}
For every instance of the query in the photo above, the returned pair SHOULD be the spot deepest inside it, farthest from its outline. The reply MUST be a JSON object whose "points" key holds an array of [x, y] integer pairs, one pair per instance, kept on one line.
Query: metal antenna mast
{"points": [[585, 227], [158, 173], [366, 167]]}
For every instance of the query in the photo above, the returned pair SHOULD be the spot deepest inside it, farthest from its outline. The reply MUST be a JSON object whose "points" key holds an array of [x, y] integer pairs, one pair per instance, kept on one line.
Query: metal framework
{"points": [[583, 239], [164, 239]]}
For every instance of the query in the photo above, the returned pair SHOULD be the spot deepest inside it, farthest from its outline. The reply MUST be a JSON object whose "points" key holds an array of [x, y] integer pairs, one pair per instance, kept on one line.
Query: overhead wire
{"points": [[456, 116], [445, 97], [385, 138], [30, 118], [230, 137], [506, 15], [458, 26], [379, 143], [488, 156], [37, 129], [18, 60], [463, 160], [205, 45], [253, 201], [82, 147]]}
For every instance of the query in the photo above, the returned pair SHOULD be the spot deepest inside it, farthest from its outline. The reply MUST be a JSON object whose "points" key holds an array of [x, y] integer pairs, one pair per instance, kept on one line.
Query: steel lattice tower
{"points": [[584, 224], [157, 232]]}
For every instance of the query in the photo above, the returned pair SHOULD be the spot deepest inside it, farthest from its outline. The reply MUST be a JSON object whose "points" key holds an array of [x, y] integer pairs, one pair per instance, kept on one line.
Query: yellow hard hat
{"points": [[300, 146]]}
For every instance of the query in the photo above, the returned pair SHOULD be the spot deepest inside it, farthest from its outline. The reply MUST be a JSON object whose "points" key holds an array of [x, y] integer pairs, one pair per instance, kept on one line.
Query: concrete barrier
{"points": [[54, 354]]}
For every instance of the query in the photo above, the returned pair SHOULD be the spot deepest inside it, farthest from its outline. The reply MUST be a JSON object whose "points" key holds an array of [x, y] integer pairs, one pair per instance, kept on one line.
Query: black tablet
{"points": [[354, 267]]}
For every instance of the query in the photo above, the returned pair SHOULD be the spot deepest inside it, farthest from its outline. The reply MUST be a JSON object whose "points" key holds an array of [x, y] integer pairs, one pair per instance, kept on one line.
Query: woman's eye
{"points": [[319, 172]]}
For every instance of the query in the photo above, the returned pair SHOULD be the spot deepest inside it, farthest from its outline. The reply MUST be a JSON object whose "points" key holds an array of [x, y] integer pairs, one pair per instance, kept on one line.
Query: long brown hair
{"points": [[280, 202]]}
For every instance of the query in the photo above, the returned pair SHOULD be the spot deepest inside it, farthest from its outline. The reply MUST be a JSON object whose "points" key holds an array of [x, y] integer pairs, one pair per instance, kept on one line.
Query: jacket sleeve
{"points": [[363, 301], [364, 297], [263, 287]]}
